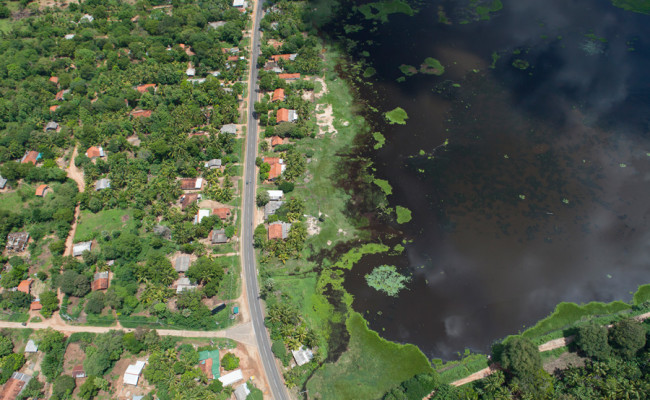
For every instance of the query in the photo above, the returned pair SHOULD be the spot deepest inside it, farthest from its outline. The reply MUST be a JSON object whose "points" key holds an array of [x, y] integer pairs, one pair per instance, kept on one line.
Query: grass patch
{"points": [[369, 72], [403, 214], [15, 317], [381, 10], [353, 256], [91, 225], [432, 66], [637, 6], [470, 363], [397, 116], [369, 367], [380, 139], [230, 285], [384, 186], [642, 295]]}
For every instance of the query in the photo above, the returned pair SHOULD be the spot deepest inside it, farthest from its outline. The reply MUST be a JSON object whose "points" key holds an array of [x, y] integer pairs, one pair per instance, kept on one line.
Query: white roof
{"points": [[135, 369], [275, 194], [69, 36], [199, 183], [31, 347], [234, 376], [242, 392], [202, 214], [79, 248], [238, 3], [190, 72], [302, 356], [130, 379]]}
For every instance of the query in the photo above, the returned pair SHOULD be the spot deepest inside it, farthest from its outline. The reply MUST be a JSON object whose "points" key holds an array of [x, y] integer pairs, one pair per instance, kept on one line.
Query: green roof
{"points": [[214, 355]]}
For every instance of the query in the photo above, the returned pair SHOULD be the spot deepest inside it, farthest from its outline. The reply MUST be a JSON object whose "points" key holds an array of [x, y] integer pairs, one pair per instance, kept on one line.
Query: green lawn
{"points": [[90, 225], [230, 287]]}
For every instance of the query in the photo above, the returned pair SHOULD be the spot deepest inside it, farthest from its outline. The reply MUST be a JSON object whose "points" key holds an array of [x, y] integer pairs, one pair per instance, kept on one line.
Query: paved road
{"points": [[278, 390]]}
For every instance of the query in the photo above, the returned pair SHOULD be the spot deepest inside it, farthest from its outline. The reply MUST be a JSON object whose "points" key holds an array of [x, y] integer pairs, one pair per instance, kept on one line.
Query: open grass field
{"points": [[90, 225], [369, 367], [230, 288]]}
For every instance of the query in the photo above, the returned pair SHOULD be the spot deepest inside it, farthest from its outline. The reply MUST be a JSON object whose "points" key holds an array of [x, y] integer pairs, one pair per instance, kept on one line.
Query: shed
{"points": [[275, 195], [78, 371], [218, 236], [302, 355], [209, 363], [132, 373], [229, 128], [184, 284], [100, 281], [3, 182], [242, 392], [79, 248], [234, 376], [51, 126], [271, 207], [17, 241], [239, 3], [103, 183], [31, 347], [214, 163], [182, 263], [42, 190]]}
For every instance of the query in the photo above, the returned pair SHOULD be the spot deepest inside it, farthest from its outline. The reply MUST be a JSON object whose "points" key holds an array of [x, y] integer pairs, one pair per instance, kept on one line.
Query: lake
{"points": [[525, 164]]}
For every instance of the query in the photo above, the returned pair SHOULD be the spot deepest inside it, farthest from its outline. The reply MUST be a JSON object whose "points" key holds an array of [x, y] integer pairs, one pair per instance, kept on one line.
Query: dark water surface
{"points": [[542, 193]]}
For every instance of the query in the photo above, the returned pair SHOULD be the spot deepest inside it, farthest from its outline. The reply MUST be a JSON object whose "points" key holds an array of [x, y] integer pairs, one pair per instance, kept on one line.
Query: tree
{"points": [[205, 270], [627, 337], [95, 303], [108, 349], [262, 198], [592, 340], [6, 346], [63, 387], [158, 269], [74, 284], [520, 357], [49, 302], [89, 389], [230, 361]]}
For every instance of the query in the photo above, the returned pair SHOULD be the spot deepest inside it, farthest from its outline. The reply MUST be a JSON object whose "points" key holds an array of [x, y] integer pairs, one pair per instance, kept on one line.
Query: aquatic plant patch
{"points": [[432, 66], [385, 278], [403, 214], [397, 116], [381, 10]]}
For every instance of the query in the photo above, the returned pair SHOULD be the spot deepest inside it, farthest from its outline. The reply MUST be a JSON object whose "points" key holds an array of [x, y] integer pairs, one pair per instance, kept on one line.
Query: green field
{"points": [[91, 225], [230, 285]]}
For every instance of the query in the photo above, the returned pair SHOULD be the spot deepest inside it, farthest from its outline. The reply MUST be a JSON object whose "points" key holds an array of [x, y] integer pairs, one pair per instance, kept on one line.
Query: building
{"points": [[3, 182], [273, 67], [191, 183], [14, 386], [79, 248], [279, 230], [276, 141], [275, 195], [232, 58], [31, 347], [35, 305], [214, 163], [53, 108], [187, 49], [103, 183], [141, 113], [222, 212], [17, 241], [190, 71], [189, 199], [25, 286], [42, 190], [242, 392], [184, 284], [182, 263], [302, 355], [78, 371], [276, 170], [132, 373], [271, 207], [229, 128], [285, 115], [200, 215], [94, 152], [54, 80], [60, 95], [231, 50], [289, 77], [145, 87], [51, 126], [100, 281], [216, 24], [278, 95], [234, 376], [286, 57], [31, 156], [69, 36], [239, 3], [209, 363], [218, 236]]}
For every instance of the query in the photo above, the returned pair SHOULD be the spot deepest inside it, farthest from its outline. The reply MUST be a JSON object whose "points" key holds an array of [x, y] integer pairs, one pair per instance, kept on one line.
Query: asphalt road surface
{"points": [[278, 390]]}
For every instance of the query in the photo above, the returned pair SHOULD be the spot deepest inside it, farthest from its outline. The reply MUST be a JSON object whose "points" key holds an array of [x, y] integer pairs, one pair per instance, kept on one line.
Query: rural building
{"points": [[94, 152], [54, 80], [141, 113], [17, 241], [278, 95], [132, 373], [302, 355], [25, 286], [229, 128], [279, 230], [239, 3], [79, 248], [285, 115], [232, 58], [276, 170], [276, 140], [214, 163], [42, 190], [271, 207], [3, 182], [100, 281], [231, 50], [191, 183], [187, 49], [275, 195], [182, 263], [273, 67], [190, 71], [184, 284], [14, 386], [31, 156], [216, 24], [200, 215], [53, 108], [286, 57], [31, 347], [272, 160], [60, 95], [234, 376], [51, 126], [209, 363], [242, 392], [222, 212], [78, 371], [145, 87], [36, 305], [218, 236], [289, 77], [103, 183], [189, 199]]}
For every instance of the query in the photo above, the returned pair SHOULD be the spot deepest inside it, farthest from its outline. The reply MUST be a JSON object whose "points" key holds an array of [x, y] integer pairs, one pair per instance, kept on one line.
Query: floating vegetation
{"points": [[397, 116], [408, 70], [403, 214], [384, 186], [495, 58], [565, 200], [638, 6], [522, 196], [385, 278], [368, 72], [352, 28], [622, 165], [381, 10], [593, 47], [380, 139], [432, 66], [521, 64], [479, 10]]}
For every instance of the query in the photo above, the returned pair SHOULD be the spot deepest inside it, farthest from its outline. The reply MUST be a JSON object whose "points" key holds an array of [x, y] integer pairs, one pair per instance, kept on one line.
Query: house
{"points": [[14, 386], [218, 236], [302, 356], [191, 183], [61, 94], [51, 126], [31, 156], [276, 170], [278, 95], [242, 392], [286, 57], [271, 207], [231, 50], [182, 263], [188, 199], [141, 113], [53, 108], [239, 3], [25, 286], [78, 371], [35, 305], [184, 284], [209, 363], [69, 36], [79, 248], [190, 71], [187, 49], [132, 373], [216, 24], [232, 58], [31, 347], [214, 163], [42, 190], [273, 67], [94, 152], [279, 230], [17, 241], [229, 128], [54, 80], [285, 115], [3, 182], [275, 195], [234, 376], [103, 183], [145, 87], [100, 281], [289, 77], [200, 215], [222, 212], [272, 160]]}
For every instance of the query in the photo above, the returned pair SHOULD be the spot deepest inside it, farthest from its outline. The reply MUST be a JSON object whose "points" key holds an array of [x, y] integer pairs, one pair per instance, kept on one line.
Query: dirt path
{"points": [[75, 173]]}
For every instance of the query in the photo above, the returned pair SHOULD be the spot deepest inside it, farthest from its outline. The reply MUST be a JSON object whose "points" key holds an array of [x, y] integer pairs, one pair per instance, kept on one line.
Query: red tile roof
{"points": [[276, 140], [278, 57], [188, 49], [25, 285], [276, 171], [188, 183], [188, 200], [31, 156], [289, 76], [278, 95], [206, 367], [35, 306], [283, 115], [271, 160], [59, 95], [11, 389], [53, 108], [145, 87], [40, 191], [141, 113], [93, 152], [233, 58], [54, 79], [99, 284], [275, 231], [275, 43], [222, 212]]}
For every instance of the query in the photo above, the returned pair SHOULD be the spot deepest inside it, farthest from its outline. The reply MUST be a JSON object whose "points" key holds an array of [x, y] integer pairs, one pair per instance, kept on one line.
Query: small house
{"points": [[42, 190], [54, 80], [289, 77], [100, 281], [103, 183], [51, 126], [214, 163], [218, 236], [222, 212], [132, 373], [286, 57], [182, 263], [25, 286], [78, 372], [69, 36], [279, 230], [191, 183], [31, 347], [141, 113], [145, 87], [209, 363], [53, 108], [278, 95], [190, 71], [188, 199], [276, 170], [14, 386], [285, 115], [242, 392], [31, 156], [239, 3], [60, 95], [94, 152], [200, 215], [271, 207], [3, 182], [276, 141], [36, 305], [229, 128], [275, 195], [79, 248], [302, 355], [184, 284], [233, 377], [17, 241]]}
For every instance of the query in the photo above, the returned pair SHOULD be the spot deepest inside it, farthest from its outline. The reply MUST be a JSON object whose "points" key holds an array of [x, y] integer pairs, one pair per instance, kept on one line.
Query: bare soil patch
{"points": [[564, 361]]}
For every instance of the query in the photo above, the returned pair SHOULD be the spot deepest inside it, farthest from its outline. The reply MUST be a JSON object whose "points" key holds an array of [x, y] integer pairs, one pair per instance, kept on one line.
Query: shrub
{"points": [[592, 340], [230, 361]]}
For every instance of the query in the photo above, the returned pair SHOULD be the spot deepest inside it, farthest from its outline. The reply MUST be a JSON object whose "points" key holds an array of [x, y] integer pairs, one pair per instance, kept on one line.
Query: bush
{"points": [[230, 361], [592, 340], [521, 357], [280, 351], [627, 337], [63, 387]]}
